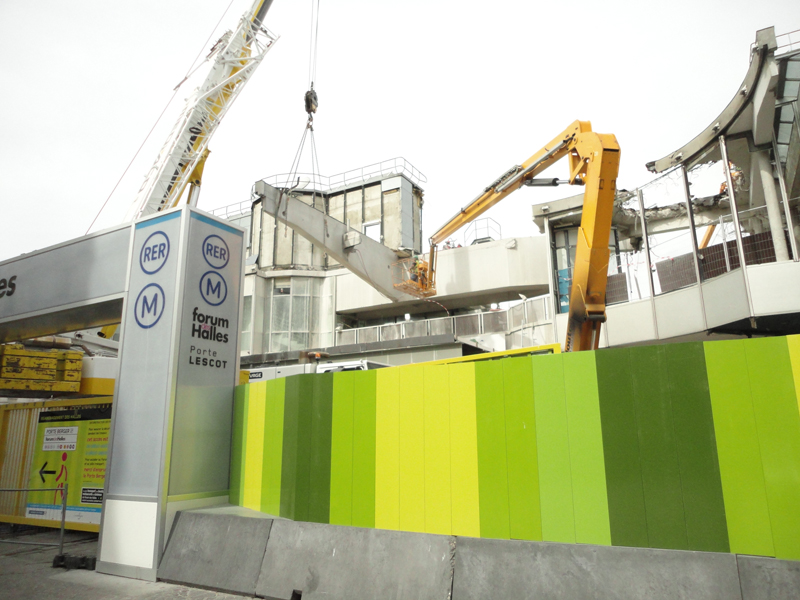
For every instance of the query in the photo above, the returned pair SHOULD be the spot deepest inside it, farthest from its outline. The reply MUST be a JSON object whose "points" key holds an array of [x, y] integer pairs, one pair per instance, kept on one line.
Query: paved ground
{"points": [[26, 574]]}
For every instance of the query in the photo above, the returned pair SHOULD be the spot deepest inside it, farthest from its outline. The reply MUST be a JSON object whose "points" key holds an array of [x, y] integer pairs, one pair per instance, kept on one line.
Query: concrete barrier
{"points": [[331, 562], [511, 569], [220, 552], [273, 559], [769, 579]]}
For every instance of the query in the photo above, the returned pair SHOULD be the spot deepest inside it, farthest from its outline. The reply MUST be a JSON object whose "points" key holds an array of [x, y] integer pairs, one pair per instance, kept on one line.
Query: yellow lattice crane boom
{"points": [[593, 163]]}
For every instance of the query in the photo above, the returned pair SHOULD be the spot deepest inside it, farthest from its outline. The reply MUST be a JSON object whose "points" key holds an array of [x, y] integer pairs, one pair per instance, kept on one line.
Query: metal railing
{"points": [[64, 492], [323, 183], [533, 311], [232, 210], [482, 229], [788, 42]]}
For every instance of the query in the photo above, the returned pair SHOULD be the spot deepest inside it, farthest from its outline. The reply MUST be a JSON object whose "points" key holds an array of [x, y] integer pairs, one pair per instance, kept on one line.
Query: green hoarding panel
{"points": [[291, 421], [273, 447], [626, 506], [436, 425], [238, 444], [661, 477], [302, 486], [741, 471], [320, 449], [296, 469], [778, 423], [492, 462], [552, 441], [411, 449], [342, 449], [387, 449], [706, 527], [590, 496], [525, 519], [364, 449]]}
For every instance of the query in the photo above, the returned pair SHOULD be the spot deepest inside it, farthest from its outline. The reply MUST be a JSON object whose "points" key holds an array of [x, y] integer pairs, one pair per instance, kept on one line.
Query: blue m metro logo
{"points": [[213, 289], [148, 306]]}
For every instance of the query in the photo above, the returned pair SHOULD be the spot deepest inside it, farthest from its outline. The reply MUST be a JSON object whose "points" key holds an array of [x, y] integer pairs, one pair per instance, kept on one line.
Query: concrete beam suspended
{"points": [[364, 257]]}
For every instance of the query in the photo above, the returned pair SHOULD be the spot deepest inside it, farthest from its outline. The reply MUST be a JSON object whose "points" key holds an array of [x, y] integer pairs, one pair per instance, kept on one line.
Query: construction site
{"points": [[305, 395]]}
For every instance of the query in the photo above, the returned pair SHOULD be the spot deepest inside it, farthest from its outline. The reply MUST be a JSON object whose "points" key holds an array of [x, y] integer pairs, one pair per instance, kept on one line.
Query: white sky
{"points": [[463, 90]]}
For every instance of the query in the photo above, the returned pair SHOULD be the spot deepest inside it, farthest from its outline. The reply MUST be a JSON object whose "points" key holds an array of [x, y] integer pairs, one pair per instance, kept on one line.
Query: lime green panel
{"points": [[590, 496], [412, 449], [793, 342], [387, 449], [273, 447], [238, 444], [436, 393], [342, 449], [254, 447], [778, 422], [492, 462], [626, 508], [552, 441], [706, 527], [464, 451], [525, 517], [661, 477], [319, 474], [741, 471], [364, 449]]}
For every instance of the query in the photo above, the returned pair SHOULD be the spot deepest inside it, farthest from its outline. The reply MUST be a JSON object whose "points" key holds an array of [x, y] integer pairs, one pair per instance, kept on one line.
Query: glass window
{"points": [[300, 286], [246, 314], [300, 313], [299, 341], [280, 313], [280, 342]]}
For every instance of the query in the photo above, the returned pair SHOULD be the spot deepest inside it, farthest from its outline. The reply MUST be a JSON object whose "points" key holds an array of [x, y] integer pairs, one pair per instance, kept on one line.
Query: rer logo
{"points": [[149, 305], [154, 253], [213, 288], [216, 252]]}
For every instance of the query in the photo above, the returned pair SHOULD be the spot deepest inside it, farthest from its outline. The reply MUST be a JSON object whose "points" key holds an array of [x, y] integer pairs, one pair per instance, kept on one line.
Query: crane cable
{"points": [[311, 102]]}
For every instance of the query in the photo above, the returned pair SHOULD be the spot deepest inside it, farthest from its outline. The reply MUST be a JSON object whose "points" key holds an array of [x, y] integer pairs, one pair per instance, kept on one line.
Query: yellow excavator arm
{"points": [[594, 163]]}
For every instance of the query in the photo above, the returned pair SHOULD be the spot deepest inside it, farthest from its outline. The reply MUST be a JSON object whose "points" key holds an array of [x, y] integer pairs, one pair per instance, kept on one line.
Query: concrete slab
{"points": [[769, 578], [326, 561], [511, 569], [215, 551]]}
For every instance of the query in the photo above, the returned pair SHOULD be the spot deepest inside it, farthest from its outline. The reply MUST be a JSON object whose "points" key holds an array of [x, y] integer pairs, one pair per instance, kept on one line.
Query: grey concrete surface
{"points": [[768, 578], [330, 562], [217, 551], [26, 574], [510, 569]]}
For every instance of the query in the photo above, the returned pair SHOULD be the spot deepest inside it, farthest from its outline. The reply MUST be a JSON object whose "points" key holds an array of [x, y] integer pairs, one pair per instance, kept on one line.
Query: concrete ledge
{"points": [[215, 551], [510, 569], [272, 558], [769, 579], [326, 561]]}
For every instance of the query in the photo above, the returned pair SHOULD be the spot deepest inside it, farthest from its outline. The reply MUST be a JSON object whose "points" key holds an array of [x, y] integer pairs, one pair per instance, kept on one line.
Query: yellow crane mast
{"points": [[593, 163]]}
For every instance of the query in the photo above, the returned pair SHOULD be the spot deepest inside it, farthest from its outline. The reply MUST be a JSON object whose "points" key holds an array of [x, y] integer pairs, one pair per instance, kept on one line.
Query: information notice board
{"points": [[71, 447]]}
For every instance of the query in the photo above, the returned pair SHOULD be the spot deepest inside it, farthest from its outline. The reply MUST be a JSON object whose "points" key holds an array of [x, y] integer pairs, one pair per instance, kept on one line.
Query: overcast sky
{"points": [[463, 90]]}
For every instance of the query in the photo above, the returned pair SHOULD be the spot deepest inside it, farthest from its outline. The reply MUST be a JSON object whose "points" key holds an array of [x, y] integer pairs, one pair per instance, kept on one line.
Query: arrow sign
{"points": [[42, 472]]}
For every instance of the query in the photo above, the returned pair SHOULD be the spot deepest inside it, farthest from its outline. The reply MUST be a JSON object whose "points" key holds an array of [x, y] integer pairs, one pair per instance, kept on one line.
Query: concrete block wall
{"points": [[683, 446]]}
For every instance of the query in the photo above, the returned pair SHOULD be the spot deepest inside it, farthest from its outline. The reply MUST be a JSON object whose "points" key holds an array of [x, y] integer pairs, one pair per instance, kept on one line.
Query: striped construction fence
{"points": [[692, 446]]}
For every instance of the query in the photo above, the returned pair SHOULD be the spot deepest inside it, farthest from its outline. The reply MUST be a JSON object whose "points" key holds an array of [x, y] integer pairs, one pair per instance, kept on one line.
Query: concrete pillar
{"points": [[773, 207]]}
